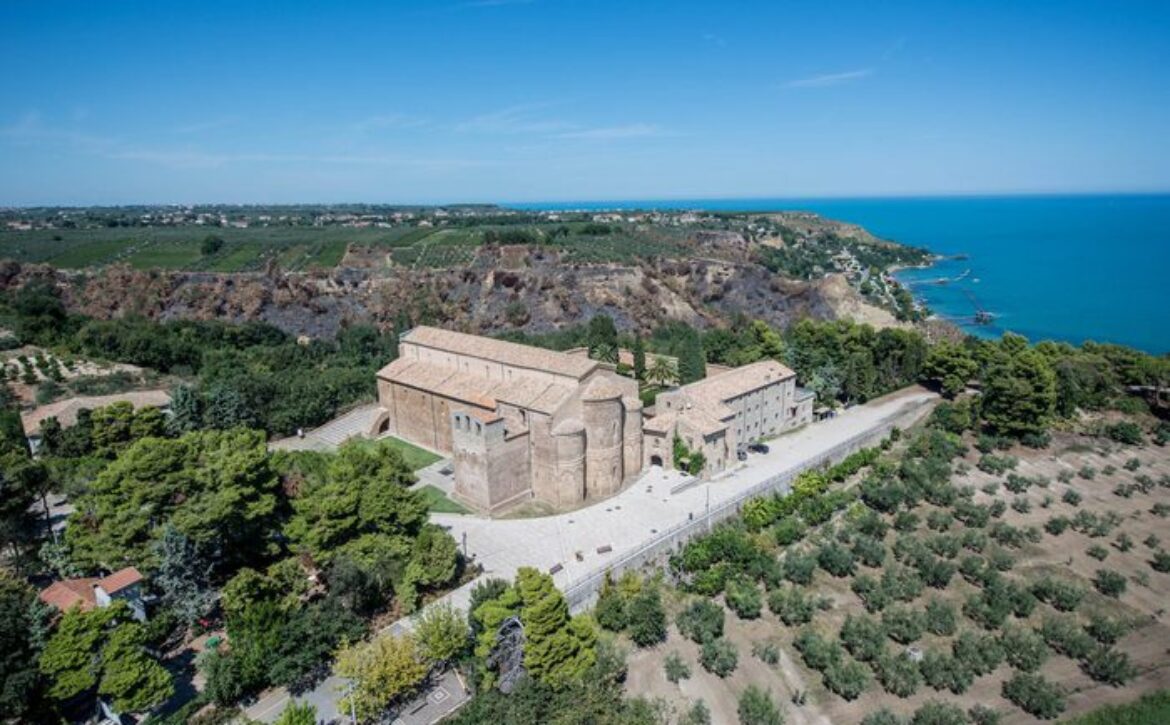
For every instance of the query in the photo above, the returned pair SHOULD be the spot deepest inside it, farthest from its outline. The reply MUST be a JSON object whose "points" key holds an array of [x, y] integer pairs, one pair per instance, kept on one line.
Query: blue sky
{"points": [[514, 100]]}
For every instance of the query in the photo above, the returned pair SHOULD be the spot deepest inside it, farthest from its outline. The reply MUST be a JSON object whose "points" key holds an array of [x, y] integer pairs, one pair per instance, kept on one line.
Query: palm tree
{"points": [[661, 371]]}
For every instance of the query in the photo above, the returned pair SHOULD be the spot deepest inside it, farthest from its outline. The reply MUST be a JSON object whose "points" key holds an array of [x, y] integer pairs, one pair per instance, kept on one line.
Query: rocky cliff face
{"points": [[504, 288]]}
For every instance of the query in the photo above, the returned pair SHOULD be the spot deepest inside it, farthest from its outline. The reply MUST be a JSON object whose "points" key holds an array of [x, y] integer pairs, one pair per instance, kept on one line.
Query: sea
{"points": [[1071, 268]]}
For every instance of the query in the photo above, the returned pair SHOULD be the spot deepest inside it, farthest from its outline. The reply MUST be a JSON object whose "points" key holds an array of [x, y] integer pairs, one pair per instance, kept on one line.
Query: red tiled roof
{"points": [[69, 593], [121, 579], [66, 594]]}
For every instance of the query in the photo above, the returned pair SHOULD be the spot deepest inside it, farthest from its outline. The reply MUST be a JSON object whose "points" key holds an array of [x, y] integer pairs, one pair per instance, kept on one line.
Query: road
{"points": [[624, 522]]}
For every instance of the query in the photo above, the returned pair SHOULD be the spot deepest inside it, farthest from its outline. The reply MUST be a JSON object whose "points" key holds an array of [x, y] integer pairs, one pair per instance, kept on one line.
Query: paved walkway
{"points": [[576, 540], [622, 523], [356, 423]]}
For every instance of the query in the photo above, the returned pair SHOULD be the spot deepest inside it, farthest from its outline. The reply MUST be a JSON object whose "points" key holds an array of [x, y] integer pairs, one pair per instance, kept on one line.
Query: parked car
{"points": [[758, 448]]}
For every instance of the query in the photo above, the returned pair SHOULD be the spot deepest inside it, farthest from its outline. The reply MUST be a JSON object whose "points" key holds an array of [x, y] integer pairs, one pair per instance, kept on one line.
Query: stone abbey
{"points": [[524, 423]]}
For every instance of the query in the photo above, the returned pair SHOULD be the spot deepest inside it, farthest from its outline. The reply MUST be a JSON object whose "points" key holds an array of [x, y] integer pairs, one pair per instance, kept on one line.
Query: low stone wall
{"points": [[581, 594]]}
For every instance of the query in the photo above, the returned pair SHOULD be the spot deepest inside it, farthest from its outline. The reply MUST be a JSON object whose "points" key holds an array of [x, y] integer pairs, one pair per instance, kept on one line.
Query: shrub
{"points": [[944, 672], [1109, 583], [898, 674], [901, 583], [1023, 648], [906, 521], [938, 520], [1062, 595], [788, 530], [869, 551], [1064, 635], [982, 715], [701, 621], [902, 624], [1105, 664], [945, 545], [1106, 630], [864, 637], [817, 652], [756, 708], [847, 678], [1123, 490], [934, 712], [836, 559], [1035, 695], [1161, 562], [974, 540], [1087, 472], [980, 653], [935, 572], [719, 657], [799, 568], [940, 618], [882, 717], [1064, 476], [698, 714], [1057, 525], [1098, 552], [1125, 431], [1132, 464], [791, 605], [991, 488], [996, 465], [1123, 542], [766, 652], [1152, 542], [1160, 509], [646, 618], [676, 668], [744, 598], [1021, 505]]}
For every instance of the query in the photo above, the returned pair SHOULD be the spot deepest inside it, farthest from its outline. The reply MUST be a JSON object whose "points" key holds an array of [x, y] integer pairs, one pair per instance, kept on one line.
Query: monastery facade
{"points": [[522, 422]]}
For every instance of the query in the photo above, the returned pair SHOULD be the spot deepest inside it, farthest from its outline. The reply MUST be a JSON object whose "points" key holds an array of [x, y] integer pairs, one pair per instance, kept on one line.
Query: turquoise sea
{"points": [[1073, 268]]}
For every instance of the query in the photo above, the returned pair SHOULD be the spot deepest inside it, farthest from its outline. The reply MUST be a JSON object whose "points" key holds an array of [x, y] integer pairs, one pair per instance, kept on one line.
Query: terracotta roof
{"points": [[65, 411], [509, 353], [695, 418], [601, 388], [120, 579], [738, 381], [69, 593], [474, 389]]}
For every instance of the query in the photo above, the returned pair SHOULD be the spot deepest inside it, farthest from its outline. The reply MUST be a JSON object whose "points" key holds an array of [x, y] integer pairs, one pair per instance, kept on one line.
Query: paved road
{"points": [[623, 523]]}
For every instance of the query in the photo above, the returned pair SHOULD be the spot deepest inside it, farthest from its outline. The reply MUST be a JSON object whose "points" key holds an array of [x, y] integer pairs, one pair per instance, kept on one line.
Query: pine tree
{"points": [[639, 358], [182, 576]]}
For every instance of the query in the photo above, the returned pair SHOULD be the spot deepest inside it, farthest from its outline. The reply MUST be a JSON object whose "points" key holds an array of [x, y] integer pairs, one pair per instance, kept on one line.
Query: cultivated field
{"points": [[1048, 611]]}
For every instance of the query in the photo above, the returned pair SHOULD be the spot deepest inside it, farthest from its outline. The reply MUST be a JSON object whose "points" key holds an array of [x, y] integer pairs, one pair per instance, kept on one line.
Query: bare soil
{"points": [[1143, 604]]}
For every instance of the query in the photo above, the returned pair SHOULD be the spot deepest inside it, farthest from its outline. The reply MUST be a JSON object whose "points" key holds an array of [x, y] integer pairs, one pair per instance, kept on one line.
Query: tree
{"points": [[1019, 390], [381, 671], [756, 708], [692, 363], [949, 366], [701, 621], [102, 652], [719, 657], [639, 358], [186, 411], [21, 480], [610, 611], [182, 576], [662, 372], [210, 245], [23, 627], [558, 649], [647, 618], [298, 714], [1035, 695], [215, 487], [601, 337], [934, 712], [676, 669], [441, 632]]}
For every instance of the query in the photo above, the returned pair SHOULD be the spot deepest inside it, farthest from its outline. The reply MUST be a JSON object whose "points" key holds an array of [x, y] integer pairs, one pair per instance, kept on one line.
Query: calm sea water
{"points": [[1070, 268]]}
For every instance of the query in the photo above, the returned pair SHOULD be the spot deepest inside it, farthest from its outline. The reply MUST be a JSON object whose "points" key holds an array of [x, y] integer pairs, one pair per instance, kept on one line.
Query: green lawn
{"points": [[414, 456], [438, 502]]}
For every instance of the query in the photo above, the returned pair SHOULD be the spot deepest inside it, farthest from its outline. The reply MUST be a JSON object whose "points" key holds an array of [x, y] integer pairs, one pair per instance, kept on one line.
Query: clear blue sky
{"points": [[512, 100]]}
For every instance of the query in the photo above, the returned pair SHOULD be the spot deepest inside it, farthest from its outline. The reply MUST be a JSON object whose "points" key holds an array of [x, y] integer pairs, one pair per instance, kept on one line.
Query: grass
{"points": [[437, 501], [165, 256], [237, 258], [414, 456], [1151, 709], [89, 255]]}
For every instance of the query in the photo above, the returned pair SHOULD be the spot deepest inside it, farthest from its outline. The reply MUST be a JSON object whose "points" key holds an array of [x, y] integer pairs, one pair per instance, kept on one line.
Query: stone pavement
{"points": [[590, 539], [577, 541], [356, 423]]}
